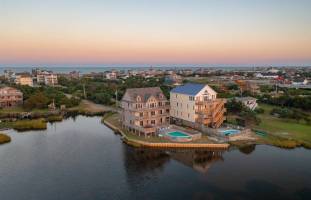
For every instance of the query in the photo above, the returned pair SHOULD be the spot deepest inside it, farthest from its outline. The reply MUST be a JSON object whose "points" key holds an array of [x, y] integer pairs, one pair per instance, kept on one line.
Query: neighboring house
{"points": [[300, 81], [10, 97], [249, 102], [248, 86], [196, 105], [144, 110], [23, 79], [111, 75], [51, 79], [173, 79], [47, 78], [266, 75], [9, 75]]}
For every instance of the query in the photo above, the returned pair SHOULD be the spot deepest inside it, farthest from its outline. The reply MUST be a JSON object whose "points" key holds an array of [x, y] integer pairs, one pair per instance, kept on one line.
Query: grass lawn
{"points": [[285, 128]]}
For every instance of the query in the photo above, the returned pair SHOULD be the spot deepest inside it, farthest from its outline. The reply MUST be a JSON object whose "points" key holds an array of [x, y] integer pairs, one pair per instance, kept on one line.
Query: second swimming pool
{"points": [[177, 134]]}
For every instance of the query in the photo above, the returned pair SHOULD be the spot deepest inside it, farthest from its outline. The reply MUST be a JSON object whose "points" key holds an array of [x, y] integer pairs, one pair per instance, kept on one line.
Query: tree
{"points": [[234, 106], [37, 100]]}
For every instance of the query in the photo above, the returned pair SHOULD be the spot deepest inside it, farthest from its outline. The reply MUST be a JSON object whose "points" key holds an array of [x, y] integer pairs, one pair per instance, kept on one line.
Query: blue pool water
{"points": [[177, 134], [230, 132]]}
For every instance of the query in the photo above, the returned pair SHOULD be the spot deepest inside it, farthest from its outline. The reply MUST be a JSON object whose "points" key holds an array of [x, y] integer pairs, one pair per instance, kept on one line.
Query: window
{"points": [[153, 122], [161, 112], [177, 104], [188, 115], [152, 113], [167, 110], [141, 123], [160, 103], [161, 121], [191, 98], [141, 114]]}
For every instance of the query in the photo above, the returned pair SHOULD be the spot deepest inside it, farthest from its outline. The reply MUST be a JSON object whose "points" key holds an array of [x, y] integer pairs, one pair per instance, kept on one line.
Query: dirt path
{"points": [[93, 107]]}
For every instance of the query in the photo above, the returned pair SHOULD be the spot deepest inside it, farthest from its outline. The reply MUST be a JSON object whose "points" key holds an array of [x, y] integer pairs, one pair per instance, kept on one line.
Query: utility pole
{"points": [[116, 97], [84, 93]]}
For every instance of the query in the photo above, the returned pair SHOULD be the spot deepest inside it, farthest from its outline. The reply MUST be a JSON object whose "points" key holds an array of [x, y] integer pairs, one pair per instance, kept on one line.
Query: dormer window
{"points": [[138, 98]]}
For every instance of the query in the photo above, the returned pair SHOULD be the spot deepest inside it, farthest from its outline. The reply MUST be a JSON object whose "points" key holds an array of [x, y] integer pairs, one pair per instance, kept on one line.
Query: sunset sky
{"points": [[213, 32]]}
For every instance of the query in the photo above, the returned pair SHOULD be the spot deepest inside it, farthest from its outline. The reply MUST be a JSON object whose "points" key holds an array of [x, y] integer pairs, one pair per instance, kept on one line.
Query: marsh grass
{"points": [[4, 138], [25, 125]]}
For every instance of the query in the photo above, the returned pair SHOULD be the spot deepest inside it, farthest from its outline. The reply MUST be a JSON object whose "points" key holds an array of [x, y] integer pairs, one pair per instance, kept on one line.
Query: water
{"points": [[83, 159], [88, 69]]}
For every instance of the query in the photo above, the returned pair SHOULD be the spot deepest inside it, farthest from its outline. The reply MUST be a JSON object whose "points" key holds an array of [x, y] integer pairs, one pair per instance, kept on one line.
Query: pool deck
{"points": [[139, 143]]}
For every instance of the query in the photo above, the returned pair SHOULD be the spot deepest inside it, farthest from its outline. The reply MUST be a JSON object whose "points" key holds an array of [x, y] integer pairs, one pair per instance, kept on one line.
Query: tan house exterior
{"points": [[144, 110], [196, 105], [24, 79], [10, 97]]}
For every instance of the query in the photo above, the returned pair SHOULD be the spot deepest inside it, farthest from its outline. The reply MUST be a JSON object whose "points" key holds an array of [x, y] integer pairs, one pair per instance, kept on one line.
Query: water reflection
{"points": [[150, 160], [199, 160]]}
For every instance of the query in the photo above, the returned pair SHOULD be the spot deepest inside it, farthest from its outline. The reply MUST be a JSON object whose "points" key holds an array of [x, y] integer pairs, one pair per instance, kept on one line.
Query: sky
{"points": [[210, 32]]}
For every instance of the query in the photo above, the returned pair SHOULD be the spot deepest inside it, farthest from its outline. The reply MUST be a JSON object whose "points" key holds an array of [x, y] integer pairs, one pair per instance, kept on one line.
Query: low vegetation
{"points": [[4, 138], [55, 118], [24, 125]]}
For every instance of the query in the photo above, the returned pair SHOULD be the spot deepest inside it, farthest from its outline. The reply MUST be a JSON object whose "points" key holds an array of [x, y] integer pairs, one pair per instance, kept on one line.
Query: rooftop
{"points": [[145, 93], [189, 89]]}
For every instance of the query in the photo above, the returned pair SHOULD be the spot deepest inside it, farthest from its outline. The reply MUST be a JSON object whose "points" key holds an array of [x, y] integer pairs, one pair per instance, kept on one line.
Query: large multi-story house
{"points": [[144, 110], [23, 79], [10, 97], [196, 105]]}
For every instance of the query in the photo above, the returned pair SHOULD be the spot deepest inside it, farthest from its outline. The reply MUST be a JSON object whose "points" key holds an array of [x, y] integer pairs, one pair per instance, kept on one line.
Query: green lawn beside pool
{"points": [[283, 127]]}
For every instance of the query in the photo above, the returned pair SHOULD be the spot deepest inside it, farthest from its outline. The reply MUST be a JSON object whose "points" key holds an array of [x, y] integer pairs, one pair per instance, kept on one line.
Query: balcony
{"points": [[149, 108]]}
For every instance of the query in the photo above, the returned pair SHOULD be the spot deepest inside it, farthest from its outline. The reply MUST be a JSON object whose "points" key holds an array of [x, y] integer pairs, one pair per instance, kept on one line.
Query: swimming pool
{"points": [[230, 132], [177, 134]]}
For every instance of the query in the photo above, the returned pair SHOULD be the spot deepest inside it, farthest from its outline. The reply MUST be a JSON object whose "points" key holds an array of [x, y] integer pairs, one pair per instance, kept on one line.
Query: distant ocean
{"points": [[84, 70]]}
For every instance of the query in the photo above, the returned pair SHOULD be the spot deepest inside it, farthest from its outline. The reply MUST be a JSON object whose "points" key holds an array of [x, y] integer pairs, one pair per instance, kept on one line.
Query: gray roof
{"points": [[245, 98], [145, 93]]}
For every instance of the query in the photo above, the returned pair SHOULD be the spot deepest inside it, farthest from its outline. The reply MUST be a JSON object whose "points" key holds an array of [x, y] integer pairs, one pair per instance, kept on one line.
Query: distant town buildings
{"points": [[74, 74], [144, 110], [196, 105], [10, 97]]}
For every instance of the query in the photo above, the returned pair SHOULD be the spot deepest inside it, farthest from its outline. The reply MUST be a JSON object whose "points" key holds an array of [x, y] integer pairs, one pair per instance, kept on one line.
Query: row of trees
{"points": [[302, 102], [41, 97], [245, 115], [104, 91], [291, 114]]}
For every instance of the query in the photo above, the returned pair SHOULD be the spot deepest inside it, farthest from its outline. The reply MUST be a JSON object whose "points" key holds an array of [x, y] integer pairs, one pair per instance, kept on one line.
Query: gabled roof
{"points": [[189, 89], [144, 93]]}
